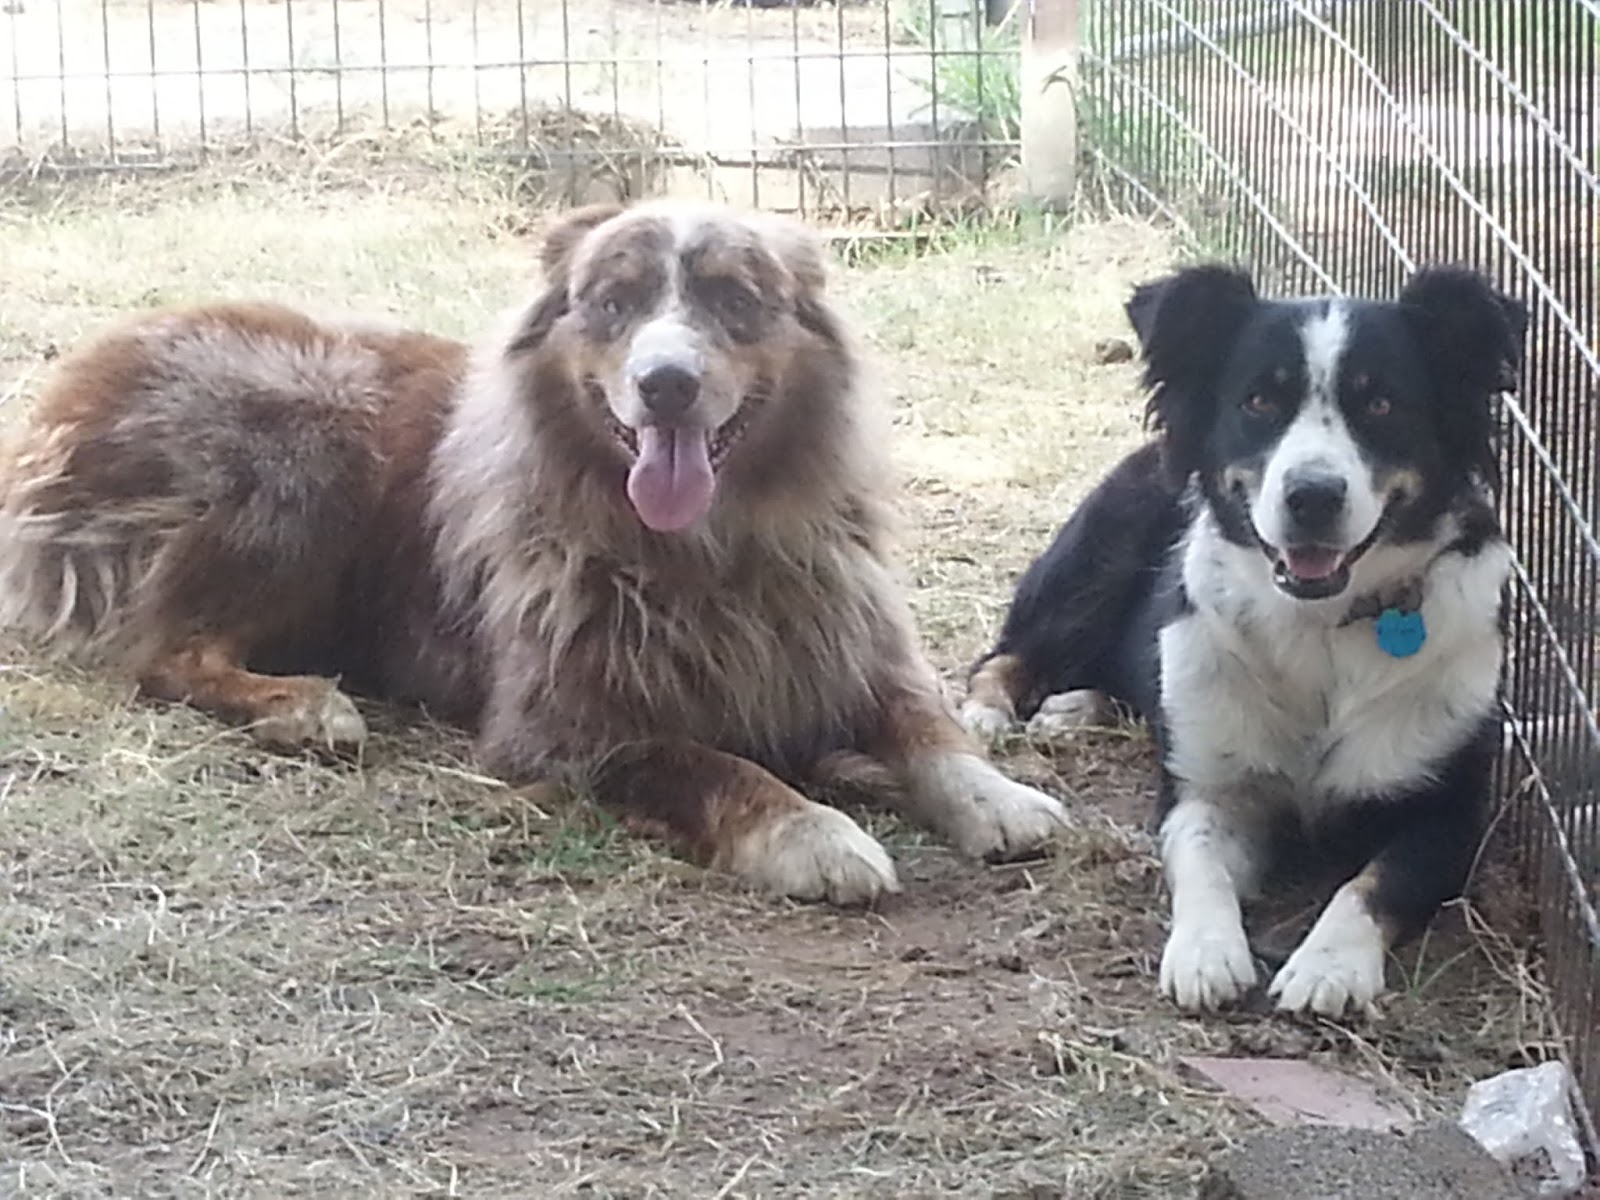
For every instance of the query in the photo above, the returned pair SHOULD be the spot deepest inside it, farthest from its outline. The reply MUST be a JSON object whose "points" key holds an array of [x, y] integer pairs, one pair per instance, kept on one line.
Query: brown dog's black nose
{"points": [[668, 391]]}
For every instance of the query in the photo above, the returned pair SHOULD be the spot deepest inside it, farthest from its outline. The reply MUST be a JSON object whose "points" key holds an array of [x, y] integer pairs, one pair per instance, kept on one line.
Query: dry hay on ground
{"points": [[229, 973]]}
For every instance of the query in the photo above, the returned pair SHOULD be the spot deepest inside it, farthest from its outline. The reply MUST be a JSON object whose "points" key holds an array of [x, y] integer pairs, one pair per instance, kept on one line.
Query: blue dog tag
{"points": [[1401, 632]]}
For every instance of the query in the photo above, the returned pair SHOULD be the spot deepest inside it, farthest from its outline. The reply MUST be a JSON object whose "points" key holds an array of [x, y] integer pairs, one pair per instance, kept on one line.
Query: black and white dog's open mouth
{"points": [[1320, 572], [1311, 572], [1314, 572]]}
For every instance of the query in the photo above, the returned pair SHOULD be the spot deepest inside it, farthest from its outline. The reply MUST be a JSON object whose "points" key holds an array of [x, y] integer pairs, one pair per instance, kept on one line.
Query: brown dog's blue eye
{"points": [[611, 306], [735, 300]]}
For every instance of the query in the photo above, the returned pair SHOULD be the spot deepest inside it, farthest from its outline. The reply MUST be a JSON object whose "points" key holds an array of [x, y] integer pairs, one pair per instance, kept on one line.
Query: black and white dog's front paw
{"points": [[1338, 969], [988, 723], [1067, 713], [1206, 968]]}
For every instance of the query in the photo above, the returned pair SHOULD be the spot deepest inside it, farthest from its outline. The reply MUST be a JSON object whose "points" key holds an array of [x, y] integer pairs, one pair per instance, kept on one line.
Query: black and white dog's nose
{"points": [[668, 390], [1315, 500]]}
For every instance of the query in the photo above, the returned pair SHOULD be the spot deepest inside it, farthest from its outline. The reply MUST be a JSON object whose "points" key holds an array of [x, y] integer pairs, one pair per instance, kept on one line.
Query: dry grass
{"points": [[227, 973]]}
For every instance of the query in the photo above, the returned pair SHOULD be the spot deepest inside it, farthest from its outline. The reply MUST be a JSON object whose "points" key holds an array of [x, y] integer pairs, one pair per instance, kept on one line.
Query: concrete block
{"points": [[1322, 1162]]}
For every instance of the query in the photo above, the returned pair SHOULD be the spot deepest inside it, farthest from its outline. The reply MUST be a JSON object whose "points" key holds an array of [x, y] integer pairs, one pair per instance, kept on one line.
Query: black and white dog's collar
{"points": [[1404, 596], [1396, 616]]}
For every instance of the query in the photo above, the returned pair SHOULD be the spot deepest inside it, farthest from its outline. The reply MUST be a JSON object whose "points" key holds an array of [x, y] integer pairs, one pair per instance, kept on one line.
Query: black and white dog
{"points": [[1299, 584]]}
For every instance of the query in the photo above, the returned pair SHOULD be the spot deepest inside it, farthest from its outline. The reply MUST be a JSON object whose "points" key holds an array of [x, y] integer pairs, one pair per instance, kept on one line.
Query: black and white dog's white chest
{"points": [[1304, 705]]}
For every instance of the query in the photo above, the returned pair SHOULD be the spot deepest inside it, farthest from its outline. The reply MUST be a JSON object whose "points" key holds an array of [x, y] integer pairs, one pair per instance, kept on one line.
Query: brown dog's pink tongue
{"points": [[671, 481]]}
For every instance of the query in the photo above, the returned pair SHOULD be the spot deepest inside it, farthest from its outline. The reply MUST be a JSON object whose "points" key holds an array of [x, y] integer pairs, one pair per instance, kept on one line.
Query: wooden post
{"points": [[958, 25], [1049, 112]]}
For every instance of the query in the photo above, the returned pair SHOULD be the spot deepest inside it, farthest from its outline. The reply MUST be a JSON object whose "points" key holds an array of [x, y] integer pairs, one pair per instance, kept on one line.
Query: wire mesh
{"points": [[808, 105], [1336, 146]]}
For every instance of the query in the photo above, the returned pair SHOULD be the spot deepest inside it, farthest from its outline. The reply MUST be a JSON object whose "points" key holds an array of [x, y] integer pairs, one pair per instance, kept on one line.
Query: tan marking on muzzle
{"points": [[1246, 479]]}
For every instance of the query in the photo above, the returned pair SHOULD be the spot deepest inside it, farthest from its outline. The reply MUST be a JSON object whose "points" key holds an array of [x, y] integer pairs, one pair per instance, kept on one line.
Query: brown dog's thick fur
{"points": [[224, 496]]}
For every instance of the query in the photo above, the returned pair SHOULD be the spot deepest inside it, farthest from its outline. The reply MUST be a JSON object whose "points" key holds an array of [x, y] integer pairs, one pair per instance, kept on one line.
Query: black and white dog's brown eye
{"points": [[1258, 405], [1379, 406]]}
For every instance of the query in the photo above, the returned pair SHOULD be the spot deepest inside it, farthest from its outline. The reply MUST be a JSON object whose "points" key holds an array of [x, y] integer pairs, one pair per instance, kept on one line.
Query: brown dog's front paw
{"points": [[984, 813], [313, 716], [817, 853]]}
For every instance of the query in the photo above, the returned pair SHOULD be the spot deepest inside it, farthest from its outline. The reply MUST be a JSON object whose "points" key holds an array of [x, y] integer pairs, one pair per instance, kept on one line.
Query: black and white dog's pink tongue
{"points": [[1312, 564], [671, 482]]}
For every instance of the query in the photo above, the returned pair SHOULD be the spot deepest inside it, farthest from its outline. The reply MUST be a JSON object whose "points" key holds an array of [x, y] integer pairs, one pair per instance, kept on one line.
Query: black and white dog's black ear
{"points": [[1186, 320], [1187, 324], [1472, 332], [1516, 315], [1471, 335], [1141, 308]]}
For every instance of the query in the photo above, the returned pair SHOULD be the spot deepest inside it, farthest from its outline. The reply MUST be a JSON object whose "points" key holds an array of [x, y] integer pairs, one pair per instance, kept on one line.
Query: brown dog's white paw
{"points": [[817, 853], [984, 813], [316, 717]]}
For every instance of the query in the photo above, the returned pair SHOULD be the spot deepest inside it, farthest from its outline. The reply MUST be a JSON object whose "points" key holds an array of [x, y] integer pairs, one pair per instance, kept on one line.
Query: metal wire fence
{"points": [[1337, 145], [805, 105]]}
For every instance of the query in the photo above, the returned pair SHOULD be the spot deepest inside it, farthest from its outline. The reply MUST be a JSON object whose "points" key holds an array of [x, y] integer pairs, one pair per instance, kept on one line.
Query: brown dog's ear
{"points": [[555, 256], [802, 254], [800, 251], [562, 238], [798, 248]]}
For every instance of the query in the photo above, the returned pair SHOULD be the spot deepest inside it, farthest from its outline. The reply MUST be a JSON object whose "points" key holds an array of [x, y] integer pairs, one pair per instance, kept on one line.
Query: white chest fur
{"points": [[1268, 694]]}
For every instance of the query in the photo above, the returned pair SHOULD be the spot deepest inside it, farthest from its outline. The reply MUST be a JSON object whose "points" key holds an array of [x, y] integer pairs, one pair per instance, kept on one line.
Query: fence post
{"points": [[958, 25], [1049, 114]]}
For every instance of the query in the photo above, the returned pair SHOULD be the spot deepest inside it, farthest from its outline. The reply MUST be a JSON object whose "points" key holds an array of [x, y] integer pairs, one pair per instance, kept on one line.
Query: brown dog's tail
{"points": [[68, 571]]}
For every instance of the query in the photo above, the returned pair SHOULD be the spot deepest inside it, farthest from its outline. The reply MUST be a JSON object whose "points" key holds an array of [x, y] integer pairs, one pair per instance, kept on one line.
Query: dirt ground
{"points": [[228, 973]]}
